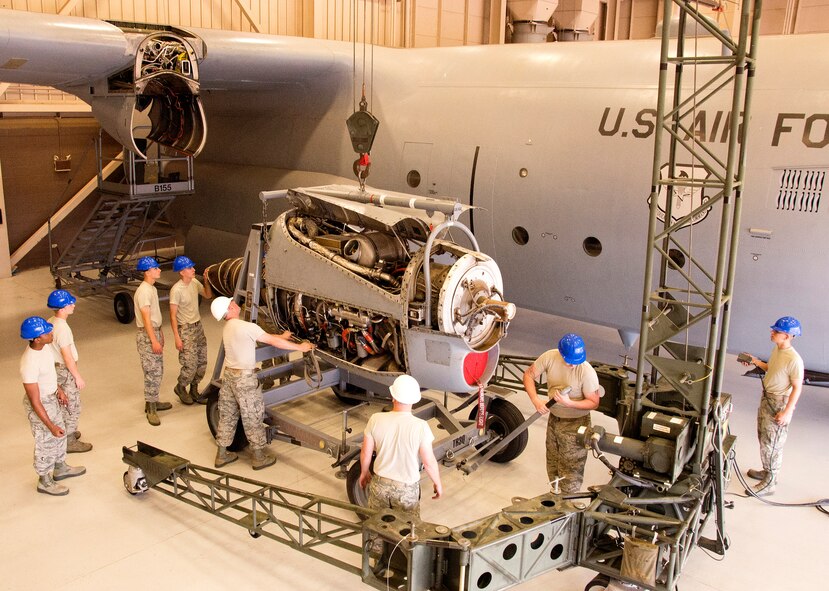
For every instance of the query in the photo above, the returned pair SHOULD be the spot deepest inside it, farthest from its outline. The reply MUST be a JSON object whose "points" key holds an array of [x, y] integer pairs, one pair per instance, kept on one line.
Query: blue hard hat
{"points": [[181, 263], [788, 324], [571, 347], [60, 298], [33, 327], [146, 263]]}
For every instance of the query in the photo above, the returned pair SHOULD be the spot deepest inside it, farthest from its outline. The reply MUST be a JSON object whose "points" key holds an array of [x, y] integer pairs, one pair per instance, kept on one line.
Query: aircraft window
{"points": [[677, 258], [413, 179], [523, 173], [592, 246], [520, 235]]}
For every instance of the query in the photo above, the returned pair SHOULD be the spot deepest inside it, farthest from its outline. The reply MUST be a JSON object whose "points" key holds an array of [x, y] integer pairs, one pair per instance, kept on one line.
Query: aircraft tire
{"points": [[356, 494], [240, 440], [343, 395], [503, 417], [123, 307]]}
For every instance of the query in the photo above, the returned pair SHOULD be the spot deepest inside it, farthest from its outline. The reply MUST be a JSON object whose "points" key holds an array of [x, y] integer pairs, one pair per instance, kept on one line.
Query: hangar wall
{"points": [[33, 189], [414, 23]]}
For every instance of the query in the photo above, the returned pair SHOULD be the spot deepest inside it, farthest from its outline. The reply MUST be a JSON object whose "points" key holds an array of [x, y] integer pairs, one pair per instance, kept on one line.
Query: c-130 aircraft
{"points": [[551, 144]]}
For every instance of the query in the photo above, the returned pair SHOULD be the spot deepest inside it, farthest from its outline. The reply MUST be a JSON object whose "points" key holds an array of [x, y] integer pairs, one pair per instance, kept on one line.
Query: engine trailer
{"points": [[460, 442], [372, 281]]}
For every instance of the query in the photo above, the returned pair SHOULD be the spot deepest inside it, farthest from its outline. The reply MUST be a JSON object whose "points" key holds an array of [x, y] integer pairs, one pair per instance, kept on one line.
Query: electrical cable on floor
{"points": [[819, 504]]}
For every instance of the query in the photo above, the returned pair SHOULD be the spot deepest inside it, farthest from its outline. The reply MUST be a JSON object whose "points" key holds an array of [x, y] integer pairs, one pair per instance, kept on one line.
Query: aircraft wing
{"points": [[50, 50], [152, 77]]}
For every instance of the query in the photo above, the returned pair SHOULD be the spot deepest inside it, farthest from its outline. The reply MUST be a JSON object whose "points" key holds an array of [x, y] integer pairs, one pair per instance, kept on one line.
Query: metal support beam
{"points": [[529, 538], [254, 23], [712, 179], [5, 261]]}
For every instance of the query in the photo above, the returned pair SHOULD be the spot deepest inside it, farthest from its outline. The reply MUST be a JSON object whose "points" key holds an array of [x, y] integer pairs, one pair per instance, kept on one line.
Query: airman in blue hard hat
{"points": [[150, 339], [782, 386], [573, 385], [42, 401], [188, 332], [66, 365]]}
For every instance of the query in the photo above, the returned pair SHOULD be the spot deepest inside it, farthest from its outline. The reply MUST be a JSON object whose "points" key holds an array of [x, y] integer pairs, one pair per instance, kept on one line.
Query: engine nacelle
{"points": [[354, 278], [157, 99]]}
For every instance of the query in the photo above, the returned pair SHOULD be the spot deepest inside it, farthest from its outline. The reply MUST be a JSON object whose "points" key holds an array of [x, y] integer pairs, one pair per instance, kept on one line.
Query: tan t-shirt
{"points": [[239, 338], [38, 367], [581, 378], [785, 367], [63, 338], [147, 295], [398, 437], [186, 297]]}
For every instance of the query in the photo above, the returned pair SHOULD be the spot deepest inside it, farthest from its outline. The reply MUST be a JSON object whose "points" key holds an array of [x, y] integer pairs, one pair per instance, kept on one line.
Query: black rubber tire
{"points": [[356, 494], [254, 534], [240, 440], [123, 307], [598, 583], [503, 417], [343, 395]]}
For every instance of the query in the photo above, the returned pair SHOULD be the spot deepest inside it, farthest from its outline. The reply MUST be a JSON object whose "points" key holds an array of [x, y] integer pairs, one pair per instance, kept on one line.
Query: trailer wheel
{"points": [[240, 440], [127, 484], [123, 306], [343, 394], [598, 583], [503, 417], [356, 494]]}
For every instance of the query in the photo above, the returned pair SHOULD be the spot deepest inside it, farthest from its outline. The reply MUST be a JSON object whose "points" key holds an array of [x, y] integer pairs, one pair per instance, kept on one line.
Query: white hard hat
{"points": [[405, 390], [219, 307]]}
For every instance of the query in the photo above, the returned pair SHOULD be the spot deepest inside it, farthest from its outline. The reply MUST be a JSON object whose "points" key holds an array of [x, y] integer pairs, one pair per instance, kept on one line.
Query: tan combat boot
{"points": [[64, 470], [152, 414], [194, 394], [224, 457], [756, 474], [74, 445], [261, 459], [47, 485], [163, 406], [765, 487], [183, 395]]}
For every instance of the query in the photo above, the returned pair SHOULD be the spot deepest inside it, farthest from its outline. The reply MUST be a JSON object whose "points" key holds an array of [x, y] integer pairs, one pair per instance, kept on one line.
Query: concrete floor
{"points": [[100, 537]]}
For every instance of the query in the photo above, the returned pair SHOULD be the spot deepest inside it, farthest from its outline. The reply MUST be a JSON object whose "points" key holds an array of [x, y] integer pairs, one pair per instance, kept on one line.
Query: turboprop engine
{"points": [[369, 278]]}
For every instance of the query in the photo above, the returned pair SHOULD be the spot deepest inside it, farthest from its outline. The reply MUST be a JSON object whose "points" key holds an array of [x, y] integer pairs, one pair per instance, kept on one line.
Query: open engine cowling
{"points": [[351, 278], [157, 99]]}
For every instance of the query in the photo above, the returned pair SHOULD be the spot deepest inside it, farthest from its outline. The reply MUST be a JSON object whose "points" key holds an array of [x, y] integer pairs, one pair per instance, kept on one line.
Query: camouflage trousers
{"points": [[772, 436], [385, 493], [49, 450], [241, 395], [151, 364], [193, 354], [72, 410], [565, 457]]}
